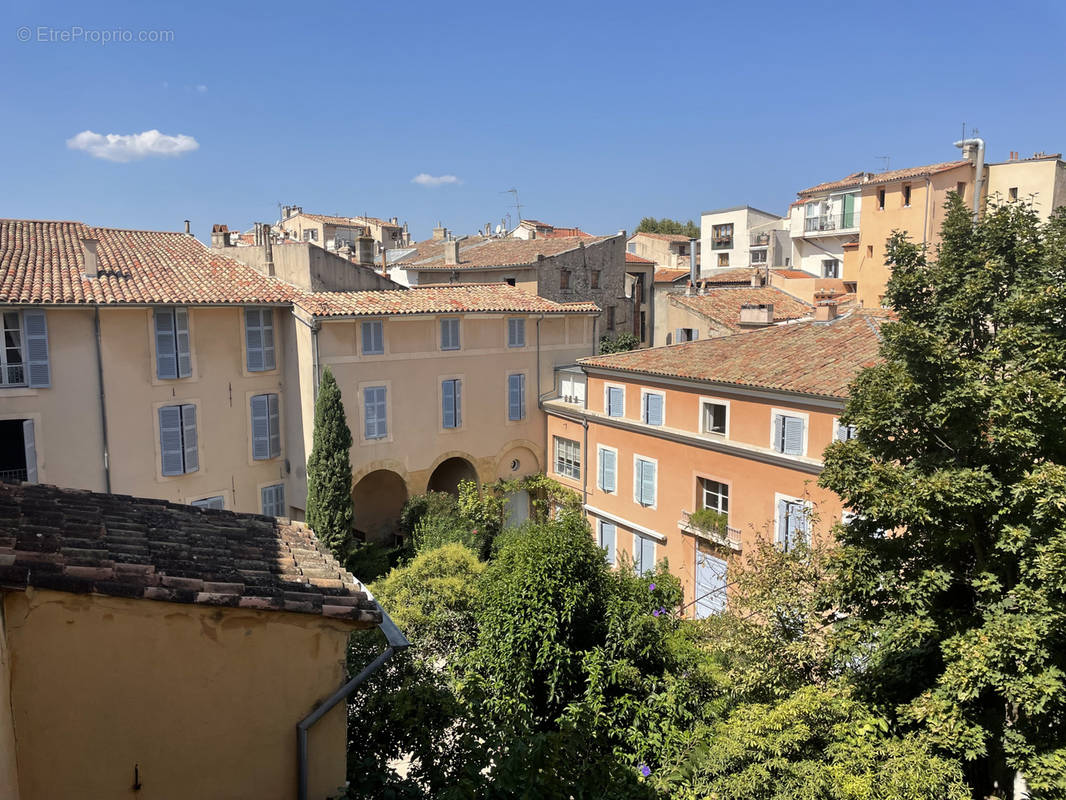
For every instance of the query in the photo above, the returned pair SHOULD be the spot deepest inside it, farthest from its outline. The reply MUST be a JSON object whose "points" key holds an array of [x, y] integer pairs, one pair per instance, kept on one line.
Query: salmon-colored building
{"points": [[734, 424]]}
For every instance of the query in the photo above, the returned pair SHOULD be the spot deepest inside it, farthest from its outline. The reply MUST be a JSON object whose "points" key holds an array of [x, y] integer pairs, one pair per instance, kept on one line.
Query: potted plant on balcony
{"points": [[711, 523]]}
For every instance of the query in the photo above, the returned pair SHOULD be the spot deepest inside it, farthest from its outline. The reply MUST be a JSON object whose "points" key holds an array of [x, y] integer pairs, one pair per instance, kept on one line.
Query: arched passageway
{"points": [[378, 498], [446, 476]]}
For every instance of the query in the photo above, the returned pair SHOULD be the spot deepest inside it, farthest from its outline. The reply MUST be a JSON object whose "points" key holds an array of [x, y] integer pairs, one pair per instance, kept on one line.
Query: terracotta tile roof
{"points": [[480, 252], [854, 179], [663, 237], [76, 541], [44, 262], [633, 258], [722, 303], [793, 273], [564, 233], [664, 275], [734, 275], [862, 178], [812, 358], [437, 299]]}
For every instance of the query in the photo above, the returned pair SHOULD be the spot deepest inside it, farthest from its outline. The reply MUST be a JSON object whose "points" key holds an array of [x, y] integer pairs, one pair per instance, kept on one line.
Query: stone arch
{"points": [[378, 497], [449, 472], [517, 459]]}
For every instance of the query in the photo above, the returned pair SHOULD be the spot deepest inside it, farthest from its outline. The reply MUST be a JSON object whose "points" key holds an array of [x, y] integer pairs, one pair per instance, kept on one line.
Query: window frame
{"points": [[522, 396], [380, 327], [458, 334], [803, 417], [706, 401], [853, 431], [638, 481], [22, 364], [644, 395], [455, 384], [702, 492], [607, 400], [576, 464], [512, 341]]}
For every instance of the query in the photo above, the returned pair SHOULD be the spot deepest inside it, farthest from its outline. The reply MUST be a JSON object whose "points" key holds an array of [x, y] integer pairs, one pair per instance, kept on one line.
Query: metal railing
{"points": [[843, 221], [12, 475], [730, 537]]}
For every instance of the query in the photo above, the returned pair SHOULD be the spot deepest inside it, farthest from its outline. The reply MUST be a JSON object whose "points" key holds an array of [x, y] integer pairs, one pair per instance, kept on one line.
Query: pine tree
{"points": [[329, 471]]}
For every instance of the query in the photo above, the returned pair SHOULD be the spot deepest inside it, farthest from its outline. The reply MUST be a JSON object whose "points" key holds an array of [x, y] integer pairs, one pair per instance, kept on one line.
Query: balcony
{"points": [[722, 243], [12, 475], [724, 537], [831, 223], [760, 239]]}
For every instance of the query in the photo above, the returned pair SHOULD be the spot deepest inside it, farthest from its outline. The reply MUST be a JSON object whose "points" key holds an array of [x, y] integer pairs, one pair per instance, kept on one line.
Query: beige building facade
{"points": [[739, 236], [1039, 179]]}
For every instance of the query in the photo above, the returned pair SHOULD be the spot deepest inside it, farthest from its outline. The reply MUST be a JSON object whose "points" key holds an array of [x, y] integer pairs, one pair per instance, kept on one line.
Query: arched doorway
{"points": [[377, 500], [446, 476]]}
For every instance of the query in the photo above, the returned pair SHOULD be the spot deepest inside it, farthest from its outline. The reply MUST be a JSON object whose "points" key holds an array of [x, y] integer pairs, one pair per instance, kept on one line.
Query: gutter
{"points": [[103, 398], [396, 642]]}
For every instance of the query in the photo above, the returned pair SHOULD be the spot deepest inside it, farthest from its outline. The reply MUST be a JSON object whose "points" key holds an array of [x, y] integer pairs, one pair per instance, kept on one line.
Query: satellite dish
{"points": [[499, 230]]}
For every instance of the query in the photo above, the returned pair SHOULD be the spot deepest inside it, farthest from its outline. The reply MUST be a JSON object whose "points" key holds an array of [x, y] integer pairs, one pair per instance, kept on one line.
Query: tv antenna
{"points": [[518, 206], [887, 162]]}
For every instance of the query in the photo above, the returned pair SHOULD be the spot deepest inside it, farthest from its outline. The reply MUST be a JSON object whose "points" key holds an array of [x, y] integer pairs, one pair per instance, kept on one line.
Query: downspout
{"points": [[103, 398], [979, 172], [396, 642]]}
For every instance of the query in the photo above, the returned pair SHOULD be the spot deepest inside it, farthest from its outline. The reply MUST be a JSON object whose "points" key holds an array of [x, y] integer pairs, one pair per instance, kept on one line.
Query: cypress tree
{"points": [[329, 471]]}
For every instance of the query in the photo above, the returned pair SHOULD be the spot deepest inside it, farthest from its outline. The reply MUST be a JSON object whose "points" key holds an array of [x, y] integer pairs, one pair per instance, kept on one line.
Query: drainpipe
{"points": [[396, 642], [103, 399], [979, 172]]}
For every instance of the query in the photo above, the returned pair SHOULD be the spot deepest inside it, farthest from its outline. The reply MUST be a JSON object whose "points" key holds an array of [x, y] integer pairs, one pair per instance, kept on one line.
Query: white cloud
{"points": [[425, 179], [201, 88], [132, 146]]}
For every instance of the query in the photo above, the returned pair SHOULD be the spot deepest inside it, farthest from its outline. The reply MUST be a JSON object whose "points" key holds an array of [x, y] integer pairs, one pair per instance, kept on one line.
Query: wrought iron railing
{"points": [[727, 537]]}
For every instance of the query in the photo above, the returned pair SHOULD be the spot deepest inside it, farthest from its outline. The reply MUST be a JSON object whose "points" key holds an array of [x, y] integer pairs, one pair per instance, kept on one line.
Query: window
{"points": [[652, 411], [830, 268], [177, 439], [714, 495], [714, 417], [572, 389], [644, 326], [844, 433], [792, 523], [788, 434], [567, 458], [757, 256], [259, 339], [24, 354], [449, 333], [722, 235], [18, 455], [266, 432], [373, 337], [595, 279], [218, 501], [606, 536], [516, 397], [1012, 193], [172, 358], [607, 472], [564, 279], [610, 318], [686, 335], [960, 189], [516, 333], [451, 403], [723, 259], [375, 413], [869, 251], [644, 481], [615, 401], [643, 554], [509, 281], [881, 199], [906, 195], [632, 247], [273, 500]]}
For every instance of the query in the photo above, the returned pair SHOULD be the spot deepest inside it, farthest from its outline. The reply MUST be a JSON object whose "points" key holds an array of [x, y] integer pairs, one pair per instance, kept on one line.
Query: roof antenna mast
{"points": [[518, 206]]}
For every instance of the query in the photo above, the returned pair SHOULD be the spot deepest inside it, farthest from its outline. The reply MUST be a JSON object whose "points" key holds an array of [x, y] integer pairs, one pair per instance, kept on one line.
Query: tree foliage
{"points": [[619, 343], [329, 470], [667, 225], [959, 609]]}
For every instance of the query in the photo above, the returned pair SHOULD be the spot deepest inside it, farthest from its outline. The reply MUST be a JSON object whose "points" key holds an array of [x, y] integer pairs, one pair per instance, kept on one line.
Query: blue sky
{"points": [[598, 113]]}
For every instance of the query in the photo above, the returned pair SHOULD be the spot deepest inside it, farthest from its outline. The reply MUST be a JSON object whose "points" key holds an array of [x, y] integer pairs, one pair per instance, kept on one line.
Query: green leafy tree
{"points": [[329, 470], [953, 573], [670, 226], [618, 344]]}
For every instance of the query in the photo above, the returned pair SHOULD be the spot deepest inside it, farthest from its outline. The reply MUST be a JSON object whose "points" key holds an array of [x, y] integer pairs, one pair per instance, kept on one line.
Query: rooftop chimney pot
{"points": [[188, 232], [825, 311], [92, 263], [451, 252]]}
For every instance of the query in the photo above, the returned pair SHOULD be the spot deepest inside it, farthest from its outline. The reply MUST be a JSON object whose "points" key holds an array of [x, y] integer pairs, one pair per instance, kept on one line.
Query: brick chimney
{"points": [[451, 252], [92, 262], [757, 314], [825, 311], [220, 236]]}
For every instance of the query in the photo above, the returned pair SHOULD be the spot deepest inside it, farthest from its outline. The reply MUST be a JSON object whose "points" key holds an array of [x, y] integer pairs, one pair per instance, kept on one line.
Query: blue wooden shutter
{"points": [[793, 436], [253, 338], [260, 428], [166, 355], [189, 438], [516, 333], [170, 446], [800, 524], [449, 334], [269, 353], [779, 433], [275, 425], [375, 424], [458, 403], [448, 415], [647, 481], [695, 334], [615, 401], [653, 409], [679, 336], [29, 444], [608, 540], [373, 338], [181, 340], [516, 397], [39, 373], [610, 470], [782, 523]]}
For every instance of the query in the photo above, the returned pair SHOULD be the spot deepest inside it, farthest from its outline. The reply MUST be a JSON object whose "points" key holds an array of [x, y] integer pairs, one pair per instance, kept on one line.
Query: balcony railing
{"points": [[12, 475], [730, 537], [760, 239], [843, 221], [722, 243]]}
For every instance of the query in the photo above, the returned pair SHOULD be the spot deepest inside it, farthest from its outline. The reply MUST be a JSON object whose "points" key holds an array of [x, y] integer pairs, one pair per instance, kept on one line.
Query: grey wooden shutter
{"points": [[375, 423], [615, 401], [458, 404], [448, 404], [516, 333], [39, 373], [515, 397], [600, 470], [269, 357], [260, 428], [607, 540], [647, 481], [801, 524], [170, 440], [695, 334], [181, 338], [679, 336], [793, 436], [779, 433], [253, 339], [607, 470], [275, 425], [782, 523], [29, 444], [166, 357], [653, 405], [189, 438], [373, 338]]}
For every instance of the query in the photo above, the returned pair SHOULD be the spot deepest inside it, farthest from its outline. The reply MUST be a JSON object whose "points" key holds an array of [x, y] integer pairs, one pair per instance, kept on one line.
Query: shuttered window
{"points": [[259, 339], [788, 434], [607, 478], [516, 333], [643, 554], [14, 370], [516, 397], [36, 329], [606, 536], [375, 421], [373, 337], [266, 427], [616, 401], [173, 357], [792, 524], [451, 403], [272, 499], [449, 333], [653, 409], [29, 445], [845, 433], [644, 482], [218, 501], [178, 446]]}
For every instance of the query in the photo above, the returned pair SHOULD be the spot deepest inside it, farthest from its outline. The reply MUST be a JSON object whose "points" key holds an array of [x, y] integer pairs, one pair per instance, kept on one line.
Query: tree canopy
{"points": [[667, 225]]}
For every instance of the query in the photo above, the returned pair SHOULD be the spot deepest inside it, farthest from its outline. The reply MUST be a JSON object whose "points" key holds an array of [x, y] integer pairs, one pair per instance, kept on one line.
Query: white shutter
{"points": [[189, 438], [39, 373], [275, 425], [253, 339], [166, 357], [181, 337], [170, 440], [29, 443], [793, 436], [260, 428]]}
